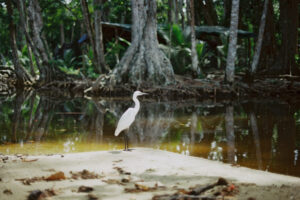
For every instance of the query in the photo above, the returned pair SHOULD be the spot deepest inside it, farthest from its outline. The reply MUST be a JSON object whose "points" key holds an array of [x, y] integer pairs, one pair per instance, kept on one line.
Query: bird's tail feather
{"points": [[117, 132]]}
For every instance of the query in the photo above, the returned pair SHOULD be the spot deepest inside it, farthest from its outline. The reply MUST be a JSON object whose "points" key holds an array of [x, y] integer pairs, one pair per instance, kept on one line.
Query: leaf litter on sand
{"points": [[39, 195], [29, 160], [146, 187], [85, 174], [92, 197], [150, 170], [28, 181], [121, 171], [126, 177], [58, 176], [214, 191], [113, 181], [53, 177], [117, 161], [7, 192], [85, 189]]}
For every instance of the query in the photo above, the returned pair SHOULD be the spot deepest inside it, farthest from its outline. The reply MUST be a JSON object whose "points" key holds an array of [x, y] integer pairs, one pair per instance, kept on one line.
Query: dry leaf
{"points": [[146, 187], [121, 171], [141, 187], [92, 197], [56, 176], [28, 181], [125, 180], [113, 181], [26, 160], [7, 192], [117, 161], [85, 189], [38, 194], [84, 174]]}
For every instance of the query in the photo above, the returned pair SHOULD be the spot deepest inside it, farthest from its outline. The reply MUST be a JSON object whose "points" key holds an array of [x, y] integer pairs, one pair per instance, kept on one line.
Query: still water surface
{"points": [[263, 135]]}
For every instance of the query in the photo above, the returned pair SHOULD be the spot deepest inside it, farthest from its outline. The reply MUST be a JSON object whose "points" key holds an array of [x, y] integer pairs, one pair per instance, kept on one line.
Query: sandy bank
{"points": [[164, 172]]}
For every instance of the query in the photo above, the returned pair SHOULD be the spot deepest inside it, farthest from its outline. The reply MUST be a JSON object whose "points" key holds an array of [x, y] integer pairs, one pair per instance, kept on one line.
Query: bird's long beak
{"points": [[143, 93]]}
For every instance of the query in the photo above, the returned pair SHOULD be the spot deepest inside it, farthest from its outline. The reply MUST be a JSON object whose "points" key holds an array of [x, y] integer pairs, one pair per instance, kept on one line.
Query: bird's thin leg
{"points": [[126, 140], [124, 136]]}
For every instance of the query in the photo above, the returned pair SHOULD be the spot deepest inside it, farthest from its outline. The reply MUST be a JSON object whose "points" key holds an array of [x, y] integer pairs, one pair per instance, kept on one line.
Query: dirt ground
{"points": [[139, 174]]}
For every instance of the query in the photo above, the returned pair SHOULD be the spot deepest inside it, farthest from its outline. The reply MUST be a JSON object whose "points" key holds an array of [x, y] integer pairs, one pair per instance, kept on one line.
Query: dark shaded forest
{"points": [[177, 47]]}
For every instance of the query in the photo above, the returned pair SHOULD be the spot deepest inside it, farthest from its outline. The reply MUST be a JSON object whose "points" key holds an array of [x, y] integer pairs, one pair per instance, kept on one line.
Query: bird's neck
{"points": [[137, 103]]}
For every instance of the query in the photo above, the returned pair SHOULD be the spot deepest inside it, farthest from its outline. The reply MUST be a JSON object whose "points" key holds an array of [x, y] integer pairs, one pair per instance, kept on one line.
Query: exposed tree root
{"points": [[8, 80], [185, 87]]}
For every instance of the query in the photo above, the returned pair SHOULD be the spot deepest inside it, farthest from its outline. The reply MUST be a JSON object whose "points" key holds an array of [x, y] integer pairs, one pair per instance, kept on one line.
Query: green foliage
{"points": [[4, 31], [222, 51], [68, 13], [110, 119], [67, 64], [177, 36], [25, 59], [56, 13], [162, 7], [87, 64], [118, 11], [179, 49], [115, 51], [76, 65]]}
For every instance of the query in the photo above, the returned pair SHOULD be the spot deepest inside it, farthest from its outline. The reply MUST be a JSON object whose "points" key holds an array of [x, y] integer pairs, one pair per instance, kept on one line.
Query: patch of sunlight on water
{"points": [[38, 148], [59, 147]]}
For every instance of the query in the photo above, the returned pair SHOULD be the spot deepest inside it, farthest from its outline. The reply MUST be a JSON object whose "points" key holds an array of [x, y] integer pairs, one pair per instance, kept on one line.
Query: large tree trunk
{"points": [[269, 47], [195, 62], [99, 36], [172, 12], [47, 71], [89, 29], [188, 14], [144, 61], [260, 38], [182, 16], [289, 17], [23, 78], [31, 47], [230, 64], [24, 26], [95, 37], [30, 60]]}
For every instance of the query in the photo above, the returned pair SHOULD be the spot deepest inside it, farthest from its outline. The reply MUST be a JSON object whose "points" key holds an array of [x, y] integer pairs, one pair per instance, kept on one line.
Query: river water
{"points": [[260, 134]]}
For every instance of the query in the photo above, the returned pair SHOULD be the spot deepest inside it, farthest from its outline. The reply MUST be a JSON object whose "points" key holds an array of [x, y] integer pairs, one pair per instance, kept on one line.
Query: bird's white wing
{"points": [[126, 120]]}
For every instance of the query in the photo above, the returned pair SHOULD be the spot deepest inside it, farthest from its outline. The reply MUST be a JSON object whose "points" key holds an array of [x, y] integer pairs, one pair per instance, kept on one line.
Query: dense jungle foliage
{"points": [[68, 48]]}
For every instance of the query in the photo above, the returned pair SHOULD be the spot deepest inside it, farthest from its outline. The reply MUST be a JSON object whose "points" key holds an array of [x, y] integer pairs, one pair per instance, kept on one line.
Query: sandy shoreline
{"points": [[139, 174]]}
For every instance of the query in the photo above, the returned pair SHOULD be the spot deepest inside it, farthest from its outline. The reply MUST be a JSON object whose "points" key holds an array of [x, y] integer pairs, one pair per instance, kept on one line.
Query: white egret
{"points": [[128, 118]]}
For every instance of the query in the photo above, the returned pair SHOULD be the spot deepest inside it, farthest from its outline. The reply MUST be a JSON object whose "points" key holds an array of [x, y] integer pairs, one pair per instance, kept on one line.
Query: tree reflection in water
{"points": [[258, 134], [229, 126]]}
